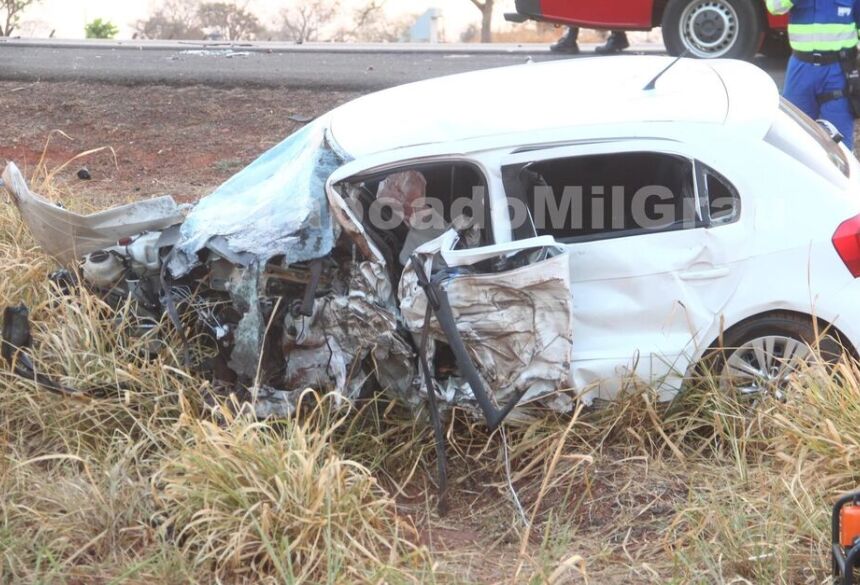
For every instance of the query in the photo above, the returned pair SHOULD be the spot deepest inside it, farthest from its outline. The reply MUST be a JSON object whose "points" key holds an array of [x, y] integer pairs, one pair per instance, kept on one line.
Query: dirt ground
{"points": [[157, 140]]}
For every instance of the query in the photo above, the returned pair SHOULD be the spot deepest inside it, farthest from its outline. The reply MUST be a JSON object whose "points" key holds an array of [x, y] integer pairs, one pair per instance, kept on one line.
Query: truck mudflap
{"points": [[526, 10]]}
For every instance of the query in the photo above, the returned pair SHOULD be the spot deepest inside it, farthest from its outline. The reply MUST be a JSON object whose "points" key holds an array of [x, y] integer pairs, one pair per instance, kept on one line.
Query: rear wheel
{"points": [[763, 355], [710, 29]]}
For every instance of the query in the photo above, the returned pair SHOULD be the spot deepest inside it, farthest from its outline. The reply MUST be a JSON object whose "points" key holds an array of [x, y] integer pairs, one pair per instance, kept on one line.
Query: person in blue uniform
{"points": [[823, 37]]}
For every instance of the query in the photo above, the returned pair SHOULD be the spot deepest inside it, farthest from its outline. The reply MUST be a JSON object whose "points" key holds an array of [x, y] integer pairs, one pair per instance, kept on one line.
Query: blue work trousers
{"points": [[804, 82]]}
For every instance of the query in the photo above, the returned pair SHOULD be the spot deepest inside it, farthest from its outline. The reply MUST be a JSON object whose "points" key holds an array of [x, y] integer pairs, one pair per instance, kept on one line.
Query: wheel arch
{"points": [[822, 325], [657, 13], [660, 7]]}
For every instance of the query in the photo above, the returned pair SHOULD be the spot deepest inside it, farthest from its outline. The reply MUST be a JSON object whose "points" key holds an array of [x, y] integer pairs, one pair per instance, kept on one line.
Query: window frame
{"points": [[701, 220], [423, 164], [702, 172]]}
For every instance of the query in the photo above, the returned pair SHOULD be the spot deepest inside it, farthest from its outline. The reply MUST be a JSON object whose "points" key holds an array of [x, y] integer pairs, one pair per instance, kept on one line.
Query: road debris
{"points": [[227, 53], [301, 118]]}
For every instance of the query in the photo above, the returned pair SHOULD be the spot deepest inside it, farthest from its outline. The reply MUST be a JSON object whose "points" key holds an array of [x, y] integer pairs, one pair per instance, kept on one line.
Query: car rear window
{"points": [[800, 137]]}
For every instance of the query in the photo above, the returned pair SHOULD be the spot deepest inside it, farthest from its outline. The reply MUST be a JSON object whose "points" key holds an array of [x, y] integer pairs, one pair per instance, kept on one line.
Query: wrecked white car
{"points": [[532, 234]]}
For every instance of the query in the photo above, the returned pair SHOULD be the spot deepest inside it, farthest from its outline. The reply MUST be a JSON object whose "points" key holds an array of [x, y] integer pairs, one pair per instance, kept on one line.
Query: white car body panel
{"points": [[647, 306], [67, 236], [496, 102], [666, 288]]}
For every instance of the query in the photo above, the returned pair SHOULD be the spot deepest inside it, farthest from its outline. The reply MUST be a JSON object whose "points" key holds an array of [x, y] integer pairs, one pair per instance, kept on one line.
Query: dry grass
{"points": [[249, 499], [139, 486]]}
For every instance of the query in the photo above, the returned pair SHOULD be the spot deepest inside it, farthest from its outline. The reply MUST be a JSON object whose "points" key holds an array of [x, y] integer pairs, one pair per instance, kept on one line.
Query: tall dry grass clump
{"points": [[760, 493], [250, 498], [817, 431]]}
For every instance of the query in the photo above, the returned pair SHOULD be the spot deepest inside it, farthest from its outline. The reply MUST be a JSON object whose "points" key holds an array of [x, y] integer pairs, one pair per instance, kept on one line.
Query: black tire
{"points": [[783, 324], [743, 33], [775, 46]]}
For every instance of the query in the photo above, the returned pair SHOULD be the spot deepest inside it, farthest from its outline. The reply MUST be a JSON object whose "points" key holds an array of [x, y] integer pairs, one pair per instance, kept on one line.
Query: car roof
{"points": [[558, 96]]}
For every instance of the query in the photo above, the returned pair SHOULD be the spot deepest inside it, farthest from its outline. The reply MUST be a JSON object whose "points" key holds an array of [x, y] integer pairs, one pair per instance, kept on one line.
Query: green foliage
{"points": [[11, 11], [100, 29]]}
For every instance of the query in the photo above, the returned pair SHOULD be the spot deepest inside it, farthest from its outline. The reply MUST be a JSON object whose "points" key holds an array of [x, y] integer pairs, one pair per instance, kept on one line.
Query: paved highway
{"points": [[316, 66]]}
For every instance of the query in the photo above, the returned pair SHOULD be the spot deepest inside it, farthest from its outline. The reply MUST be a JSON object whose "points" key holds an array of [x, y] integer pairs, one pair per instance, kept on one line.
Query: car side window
{"points": [[602, 196], [719, 196]]}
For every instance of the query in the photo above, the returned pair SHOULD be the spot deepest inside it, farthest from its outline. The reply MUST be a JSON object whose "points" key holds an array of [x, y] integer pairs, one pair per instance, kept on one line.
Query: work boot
{"points": [[616, 43], [567, 43]]}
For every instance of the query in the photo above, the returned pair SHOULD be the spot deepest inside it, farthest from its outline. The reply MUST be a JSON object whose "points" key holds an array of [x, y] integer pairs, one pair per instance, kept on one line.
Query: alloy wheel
{"points": [[765, 365]]}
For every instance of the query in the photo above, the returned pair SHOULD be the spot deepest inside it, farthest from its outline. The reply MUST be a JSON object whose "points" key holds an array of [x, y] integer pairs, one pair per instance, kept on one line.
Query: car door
{"points": [[511, 301], [512, 306], [643, 290]]}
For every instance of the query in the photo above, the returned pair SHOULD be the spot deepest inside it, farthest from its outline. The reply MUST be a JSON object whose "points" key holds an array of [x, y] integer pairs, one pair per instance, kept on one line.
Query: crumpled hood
{"points": [[276, 206]]}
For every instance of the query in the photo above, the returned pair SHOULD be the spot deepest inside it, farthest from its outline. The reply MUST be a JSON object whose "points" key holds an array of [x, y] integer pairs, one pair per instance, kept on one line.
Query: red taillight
{"points": [[847, 243]]}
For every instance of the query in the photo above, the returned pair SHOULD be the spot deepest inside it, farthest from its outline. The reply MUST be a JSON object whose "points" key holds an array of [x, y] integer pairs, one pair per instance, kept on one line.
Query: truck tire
{"points": [[776, 46], [710, 29]]}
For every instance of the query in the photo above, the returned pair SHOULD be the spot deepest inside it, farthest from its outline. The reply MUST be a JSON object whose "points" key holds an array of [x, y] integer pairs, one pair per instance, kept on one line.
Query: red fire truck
{"points": [[704, 28]]}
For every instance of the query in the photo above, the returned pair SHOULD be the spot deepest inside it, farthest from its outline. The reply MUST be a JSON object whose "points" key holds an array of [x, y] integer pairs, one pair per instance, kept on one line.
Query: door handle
{"points": [[705, 273]]}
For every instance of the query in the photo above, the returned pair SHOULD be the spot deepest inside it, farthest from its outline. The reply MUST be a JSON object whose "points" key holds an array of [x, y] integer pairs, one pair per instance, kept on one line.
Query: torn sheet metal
{"points": [[352, 226], [276, 206], [68, 236], [349, 339], [516, 323], [249, 336], [296, 292]]}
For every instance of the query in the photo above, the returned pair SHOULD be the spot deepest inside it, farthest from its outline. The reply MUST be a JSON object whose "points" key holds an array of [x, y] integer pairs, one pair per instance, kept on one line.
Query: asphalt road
{"points": [[360, 68]]}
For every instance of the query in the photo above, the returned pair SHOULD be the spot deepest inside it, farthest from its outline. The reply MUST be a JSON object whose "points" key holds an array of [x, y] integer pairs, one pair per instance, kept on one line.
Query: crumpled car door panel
{"points": [[515, 321]]}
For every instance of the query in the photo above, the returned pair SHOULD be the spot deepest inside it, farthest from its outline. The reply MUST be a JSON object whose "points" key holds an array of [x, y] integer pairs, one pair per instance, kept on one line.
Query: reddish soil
{"points": [[180, 141]]}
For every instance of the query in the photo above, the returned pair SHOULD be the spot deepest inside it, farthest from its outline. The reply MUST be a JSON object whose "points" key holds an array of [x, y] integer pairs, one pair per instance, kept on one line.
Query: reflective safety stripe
{"points": [[822, 37], [779, 6]]}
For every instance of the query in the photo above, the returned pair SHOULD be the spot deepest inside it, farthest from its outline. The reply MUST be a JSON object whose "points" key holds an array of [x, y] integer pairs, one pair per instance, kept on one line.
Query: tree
{"points": [[471, 34], [100, 29], [12, 9], [176, 20], [230, 21], [370, 25], [369, 14], [486, 7], [303, 22]]}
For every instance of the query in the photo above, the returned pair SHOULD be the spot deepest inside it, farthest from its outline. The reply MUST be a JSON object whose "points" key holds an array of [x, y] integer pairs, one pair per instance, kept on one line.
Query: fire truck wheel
{"points": [[710, 29]]}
